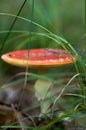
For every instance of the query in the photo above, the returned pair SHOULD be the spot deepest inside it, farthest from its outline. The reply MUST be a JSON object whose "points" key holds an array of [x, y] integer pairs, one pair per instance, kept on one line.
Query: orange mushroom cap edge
{"points": [[39, 58]]}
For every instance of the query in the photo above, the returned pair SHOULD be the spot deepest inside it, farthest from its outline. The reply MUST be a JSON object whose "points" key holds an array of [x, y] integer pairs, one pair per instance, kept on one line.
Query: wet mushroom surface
{"points": [[39, 58]]}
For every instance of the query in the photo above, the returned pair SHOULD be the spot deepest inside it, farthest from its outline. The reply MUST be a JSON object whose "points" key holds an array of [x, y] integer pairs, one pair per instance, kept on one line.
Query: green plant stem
{"points": [[60, 118], [11, 27]]}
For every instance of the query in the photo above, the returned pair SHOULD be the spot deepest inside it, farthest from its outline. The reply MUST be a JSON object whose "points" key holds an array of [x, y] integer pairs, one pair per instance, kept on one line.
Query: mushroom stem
{"points": [[41, 58], [43, 91]]}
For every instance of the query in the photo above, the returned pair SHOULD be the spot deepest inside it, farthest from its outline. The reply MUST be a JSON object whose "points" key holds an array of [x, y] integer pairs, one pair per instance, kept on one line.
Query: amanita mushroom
{"points": [[41, 59]]}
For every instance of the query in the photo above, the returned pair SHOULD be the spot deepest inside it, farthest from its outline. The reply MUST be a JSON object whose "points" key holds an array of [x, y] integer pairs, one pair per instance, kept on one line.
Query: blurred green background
{"points": [[64, 18]]}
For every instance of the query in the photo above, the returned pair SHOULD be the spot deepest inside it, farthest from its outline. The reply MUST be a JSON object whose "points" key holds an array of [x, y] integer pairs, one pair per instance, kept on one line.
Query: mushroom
{"points": [[41, 59]]}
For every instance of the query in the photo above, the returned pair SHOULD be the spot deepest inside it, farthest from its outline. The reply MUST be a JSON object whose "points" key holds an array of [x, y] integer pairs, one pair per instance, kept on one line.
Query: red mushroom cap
{"points": [[39, 58]]}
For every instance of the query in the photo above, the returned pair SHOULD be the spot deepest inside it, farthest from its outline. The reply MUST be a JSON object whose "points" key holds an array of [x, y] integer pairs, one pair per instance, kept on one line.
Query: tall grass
{"points": [[46, 31]]}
